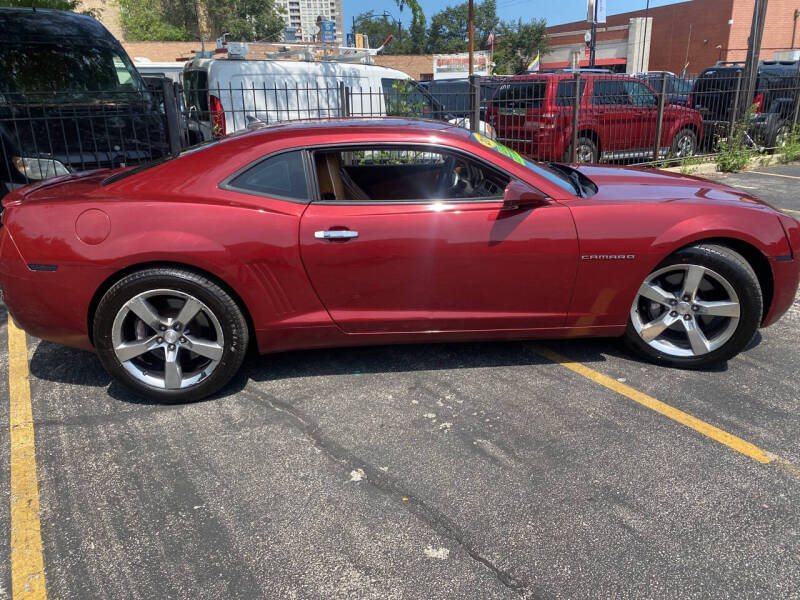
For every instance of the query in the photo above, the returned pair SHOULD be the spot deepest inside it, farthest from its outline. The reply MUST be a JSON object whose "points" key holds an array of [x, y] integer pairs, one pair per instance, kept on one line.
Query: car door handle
{"points": [[336, 234]]}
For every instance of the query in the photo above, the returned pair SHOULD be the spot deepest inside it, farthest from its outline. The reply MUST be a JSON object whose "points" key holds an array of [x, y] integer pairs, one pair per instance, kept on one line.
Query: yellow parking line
{"points": [[27, 562], [776, 174], [789, 210], [723, 437]]}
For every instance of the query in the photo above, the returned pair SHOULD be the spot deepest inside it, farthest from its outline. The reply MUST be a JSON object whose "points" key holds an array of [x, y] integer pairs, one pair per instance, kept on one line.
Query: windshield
{"points": [[556, 176], [405, 98], [65, 73]]}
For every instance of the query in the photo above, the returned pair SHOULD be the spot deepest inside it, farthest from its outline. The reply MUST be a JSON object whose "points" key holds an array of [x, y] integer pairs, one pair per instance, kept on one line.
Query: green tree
{"points": [[165, 20], [518, 44], [417, 38], [449, 30], [380, 27], [145, 20], [52, 4], [244, 20]]}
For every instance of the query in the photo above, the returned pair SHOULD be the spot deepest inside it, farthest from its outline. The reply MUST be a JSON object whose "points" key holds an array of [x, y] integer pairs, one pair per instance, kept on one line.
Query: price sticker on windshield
{"points": [[504, 150]]}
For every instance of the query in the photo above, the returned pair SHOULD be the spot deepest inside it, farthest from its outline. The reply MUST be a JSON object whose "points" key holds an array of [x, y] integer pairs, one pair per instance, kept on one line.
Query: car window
{"points": [[66, 72], [525, 94], [280, 176], [404, 174], [565, 92], [404, 99], [609, 92], [639, 94]]}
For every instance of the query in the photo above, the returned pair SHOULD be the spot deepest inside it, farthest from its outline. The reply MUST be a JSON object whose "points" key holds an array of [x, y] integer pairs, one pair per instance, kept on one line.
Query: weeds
{"points": [[790, 150], [737, 149]]}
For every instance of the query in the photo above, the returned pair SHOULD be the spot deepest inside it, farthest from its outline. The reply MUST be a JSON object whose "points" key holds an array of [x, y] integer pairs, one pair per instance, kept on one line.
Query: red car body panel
{"points": [[418, 272], [544, 132]]}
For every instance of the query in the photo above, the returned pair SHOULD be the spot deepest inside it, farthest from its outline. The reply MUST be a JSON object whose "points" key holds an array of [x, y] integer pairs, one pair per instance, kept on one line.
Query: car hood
{"points": [[637, 185]]}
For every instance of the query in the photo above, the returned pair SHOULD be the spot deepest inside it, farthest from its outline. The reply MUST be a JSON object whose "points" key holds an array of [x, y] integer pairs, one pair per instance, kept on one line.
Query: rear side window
{"points": [[565, 92], [609, 92], [527, 94], [282, 176]]}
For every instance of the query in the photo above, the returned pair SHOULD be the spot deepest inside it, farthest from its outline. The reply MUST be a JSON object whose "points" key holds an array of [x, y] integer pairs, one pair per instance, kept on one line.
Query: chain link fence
{"points": [[584, 116]]}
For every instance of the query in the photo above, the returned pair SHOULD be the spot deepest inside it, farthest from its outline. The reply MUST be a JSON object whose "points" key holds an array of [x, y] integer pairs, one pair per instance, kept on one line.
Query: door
{"points": [[411, 239], [618, 120], [644, 109]]}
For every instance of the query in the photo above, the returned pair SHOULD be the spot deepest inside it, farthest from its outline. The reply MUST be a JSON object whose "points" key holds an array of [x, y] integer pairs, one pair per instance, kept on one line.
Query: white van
{"points": [[227, 95], [170, 70]]}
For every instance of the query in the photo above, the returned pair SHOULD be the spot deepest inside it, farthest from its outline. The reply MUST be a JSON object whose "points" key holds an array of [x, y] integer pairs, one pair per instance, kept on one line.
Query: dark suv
{"points": [[776, 88], [617, 118], [70, 99]]}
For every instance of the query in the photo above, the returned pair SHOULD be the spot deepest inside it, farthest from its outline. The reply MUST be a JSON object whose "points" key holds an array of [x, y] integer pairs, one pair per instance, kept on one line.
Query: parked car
{"points": [[225, 95], [360, 232], [678, 88], [617, 119], [70, 99], [170, 70], [776, 89], [453, 94]]}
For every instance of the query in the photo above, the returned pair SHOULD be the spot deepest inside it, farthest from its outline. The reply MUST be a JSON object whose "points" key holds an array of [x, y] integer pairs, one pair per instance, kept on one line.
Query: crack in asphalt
{"points": [[379, 480]]}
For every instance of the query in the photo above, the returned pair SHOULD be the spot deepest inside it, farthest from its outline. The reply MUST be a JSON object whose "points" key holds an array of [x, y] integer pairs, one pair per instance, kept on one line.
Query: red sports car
{"points": [[336, 233]]}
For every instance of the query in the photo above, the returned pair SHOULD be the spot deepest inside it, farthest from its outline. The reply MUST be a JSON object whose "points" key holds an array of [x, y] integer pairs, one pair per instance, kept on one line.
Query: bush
{"points": [[736, 150], [790, 151]]}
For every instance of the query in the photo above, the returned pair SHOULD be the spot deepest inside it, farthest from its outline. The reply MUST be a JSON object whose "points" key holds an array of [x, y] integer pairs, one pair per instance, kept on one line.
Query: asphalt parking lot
{"points": [[547, 470]]}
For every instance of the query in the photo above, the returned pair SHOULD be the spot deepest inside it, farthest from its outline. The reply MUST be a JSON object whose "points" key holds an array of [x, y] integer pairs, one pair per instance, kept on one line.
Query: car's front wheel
{"points": [[700, 306], [170, 334]]}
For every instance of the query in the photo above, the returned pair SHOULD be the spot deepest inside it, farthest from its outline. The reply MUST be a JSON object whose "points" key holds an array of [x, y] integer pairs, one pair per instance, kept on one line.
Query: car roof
{"points": [[358, 125], [584, 75], [27, 25], [333, 68]]}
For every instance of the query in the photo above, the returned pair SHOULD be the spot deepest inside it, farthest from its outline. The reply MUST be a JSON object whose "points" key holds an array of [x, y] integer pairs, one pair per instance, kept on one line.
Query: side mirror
{"points": [[519, 195]]}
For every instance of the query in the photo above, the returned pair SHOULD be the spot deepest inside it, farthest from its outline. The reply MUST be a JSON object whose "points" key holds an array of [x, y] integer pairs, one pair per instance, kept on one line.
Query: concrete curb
{"points": [[707, 169]]}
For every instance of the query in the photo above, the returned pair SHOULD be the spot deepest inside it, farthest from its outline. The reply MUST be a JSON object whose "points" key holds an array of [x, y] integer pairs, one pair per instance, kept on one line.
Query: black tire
{"points": [[740, 275], [684, 144], [225, 310]]}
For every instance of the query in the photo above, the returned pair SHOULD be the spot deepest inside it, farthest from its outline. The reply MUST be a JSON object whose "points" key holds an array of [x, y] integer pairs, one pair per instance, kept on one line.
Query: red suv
{"points": [[617, 118]]}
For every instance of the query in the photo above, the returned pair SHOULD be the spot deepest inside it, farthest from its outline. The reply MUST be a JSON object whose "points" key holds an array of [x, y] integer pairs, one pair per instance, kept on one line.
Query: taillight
{"points": [[217, 117], [758, 103]]}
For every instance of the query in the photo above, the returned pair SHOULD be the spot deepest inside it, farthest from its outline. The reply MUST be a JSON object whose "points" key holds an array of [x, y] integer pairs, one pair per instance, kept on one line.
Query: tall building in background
{"points": [[302, 15]]}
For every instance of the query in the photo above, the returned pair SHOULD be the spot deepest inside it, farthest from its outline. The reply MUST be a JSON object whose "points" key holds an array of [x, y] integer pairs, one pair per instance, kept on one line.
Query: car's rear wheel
{"points": [[170, 334], [700, 306], [586, 150], [684, 144]]}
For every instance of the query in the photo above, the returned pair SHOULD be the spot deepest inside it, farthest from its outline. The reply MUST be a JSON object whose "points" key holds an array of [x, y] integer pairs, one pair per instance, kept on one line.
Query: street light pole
{"points": [[471, 34]]}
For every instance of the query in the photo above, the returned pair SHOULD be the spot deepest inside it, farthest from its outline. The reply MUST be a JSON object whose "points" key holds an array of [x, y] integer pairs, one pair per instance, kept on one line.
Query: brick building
{"points": [[691, 35]]}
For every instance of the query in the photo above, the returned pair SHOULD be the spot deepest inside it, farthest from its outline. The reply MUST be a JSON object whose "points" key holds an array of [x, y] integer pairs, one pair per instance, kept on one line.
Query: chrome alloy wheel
{"points": [[684, 146], [167, 339], [685, 310], [584, 153]]}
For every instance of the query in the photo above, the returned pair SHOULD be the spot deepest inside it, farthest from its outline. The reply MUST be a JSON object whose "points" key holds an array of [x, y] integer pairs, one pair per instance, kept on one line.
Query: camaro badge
{"points": [[608, 256]]}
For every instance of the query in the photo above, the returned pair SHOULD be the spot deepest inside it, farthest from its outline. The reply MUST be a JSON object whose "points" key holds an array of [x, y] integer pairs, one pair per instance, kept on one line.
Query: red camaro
{"points": [[347, 232]]}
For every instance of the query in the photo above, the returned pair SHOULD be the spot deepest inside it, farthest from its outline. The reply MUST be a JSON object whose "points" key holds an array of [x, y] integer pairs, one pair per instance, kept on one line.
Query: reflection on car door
{"points": [[408, 238]]}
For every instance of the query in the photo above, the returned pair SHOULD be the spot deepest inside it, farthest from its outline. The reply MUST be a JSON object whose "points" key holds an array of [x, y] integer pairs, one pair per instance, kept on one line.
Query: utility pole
{"points": [[593, 44], [753, 53]]}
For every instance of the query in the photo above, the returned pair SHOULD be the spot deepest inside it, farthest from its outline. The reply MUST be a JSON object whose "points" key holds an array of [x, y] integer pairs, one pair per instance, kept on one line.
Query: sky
{"points": [[554, 12]]}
